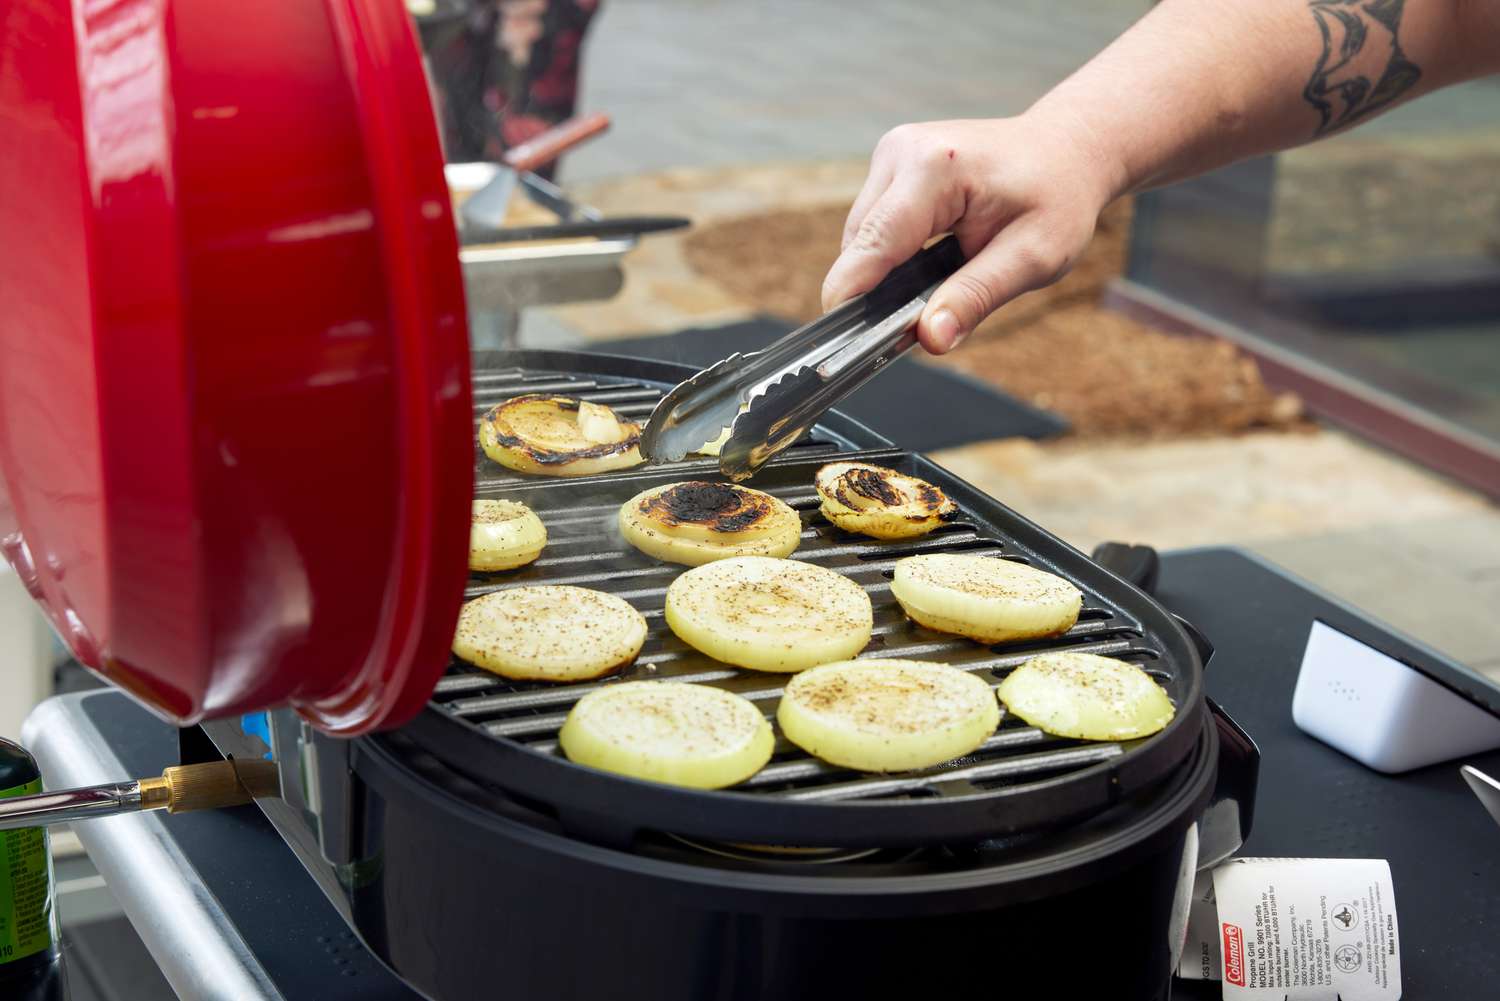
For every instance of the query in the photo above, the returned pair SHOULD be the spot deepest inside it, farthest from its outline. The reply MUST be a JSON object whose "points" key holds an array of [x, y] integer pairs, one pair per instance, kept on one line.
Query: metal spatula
{"points": [[485, 208], [769, 398]]}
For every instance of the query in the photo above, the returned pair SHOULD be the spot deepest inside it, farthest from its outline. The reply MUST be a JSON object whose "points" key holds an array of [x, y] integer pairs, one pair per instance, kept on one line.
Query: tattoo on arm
{"points": [[1362, 68]]}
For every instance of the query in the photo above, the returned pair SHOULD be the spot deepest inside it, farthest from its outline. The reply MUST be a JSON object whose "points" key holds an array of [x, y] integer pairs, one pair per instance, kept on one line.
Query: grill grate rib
{"points": [[584, 549]]}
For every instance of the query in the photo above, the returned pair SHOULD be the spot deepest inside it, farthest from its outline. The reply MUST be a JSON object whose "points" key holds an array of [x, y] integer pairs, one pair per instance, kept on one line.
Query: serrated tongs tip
{"points": [[768, 399], [702, 405]]}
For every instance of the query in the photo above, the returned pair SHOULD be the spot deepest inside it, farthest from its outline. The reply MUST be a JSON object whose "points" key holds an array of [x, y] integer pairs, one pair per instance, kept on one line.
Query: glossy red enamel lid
{"points": [[235, 440]]}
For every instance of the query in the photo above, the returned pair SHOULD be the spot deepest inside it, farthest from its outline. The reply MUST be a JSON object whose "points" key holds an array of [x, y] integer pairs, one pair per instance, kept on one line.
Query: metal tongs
{"points": [[768, 398]]}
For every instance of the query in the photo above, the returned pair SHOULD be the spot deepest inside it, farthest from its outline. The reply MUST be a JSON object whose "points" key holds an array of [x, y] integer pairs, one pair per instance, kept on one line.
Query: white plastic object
{"points": [[26, 658], [1381, 712]]}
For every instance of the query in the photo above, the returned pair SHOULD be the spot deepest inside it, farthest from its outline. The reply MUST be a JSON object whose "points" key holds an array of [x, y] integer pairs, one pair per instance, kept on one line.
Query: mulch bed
{"points": [[1106, 373]]}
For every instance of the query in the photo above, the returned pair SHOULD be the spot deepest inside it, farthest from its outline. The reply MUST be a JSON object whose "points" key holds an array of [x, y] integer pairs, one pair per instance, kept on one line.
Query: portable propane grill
{"points": [[236, 465], [452, 820]]}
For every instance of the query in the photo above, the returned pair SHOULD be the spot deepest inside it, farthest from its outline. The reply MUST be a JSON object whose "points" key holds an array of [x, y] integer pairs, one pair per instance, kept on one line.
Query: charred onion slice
{"points": [[1086, 696], [686, 735], [984, 598], [880, 502], [504, 535], [549, 633], [559, 436], [769, 614], [887, 715], [697, 522]]}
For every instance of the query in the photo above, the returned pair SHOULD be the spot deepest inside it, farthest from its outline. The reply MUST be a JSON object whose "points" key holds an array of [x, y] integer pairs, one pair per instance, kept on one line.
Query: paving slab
{"points": [[1412, 548], [1414, 576], [1205, 491], [1373, 529], [704, 82], [715, 82]]}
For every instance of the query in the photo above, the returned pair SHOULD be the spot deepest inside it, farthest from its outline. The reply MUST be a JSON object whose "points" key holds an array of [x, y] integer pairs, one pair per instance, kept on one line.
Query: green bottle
{"points": [[28, 913]]}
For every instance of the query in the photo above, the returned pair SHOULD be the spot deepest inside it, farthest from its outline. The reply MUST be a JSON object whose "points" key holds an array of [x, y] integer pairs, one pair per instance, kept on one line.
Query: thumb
{"points": [[1011, 264], [892, 231]]}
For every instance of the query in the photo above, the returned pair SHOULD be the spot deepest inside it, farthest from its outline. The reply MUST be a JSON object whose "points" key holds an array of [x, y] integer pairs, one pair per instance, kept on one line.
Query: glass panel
{"points": [[1373, 255]]}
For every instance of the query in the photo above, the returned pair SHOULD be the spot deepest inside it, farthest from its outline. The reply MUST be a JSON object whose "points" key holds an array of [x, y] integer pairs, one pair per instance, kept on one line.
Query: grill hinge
{"points": [[328, 784]]}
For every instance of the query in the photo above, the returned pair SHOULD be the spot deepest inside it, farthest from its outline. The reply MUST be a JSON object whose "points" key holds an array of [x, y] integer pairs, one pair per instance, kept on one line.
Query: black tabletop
{"points": [[287, 923], [1313, 801]]}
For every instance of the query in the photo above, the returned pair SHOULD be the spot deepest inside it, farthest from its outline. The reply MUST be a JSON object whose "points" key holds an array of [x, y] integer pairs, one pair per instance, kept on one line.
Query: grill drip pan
{"points": [[503, 733]]}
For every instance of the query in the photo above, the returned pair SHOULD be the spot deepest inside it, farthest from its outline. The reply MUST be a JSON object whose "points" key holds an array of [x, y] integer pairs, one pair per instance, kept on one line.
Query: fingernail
{"points": [[945, 329]]}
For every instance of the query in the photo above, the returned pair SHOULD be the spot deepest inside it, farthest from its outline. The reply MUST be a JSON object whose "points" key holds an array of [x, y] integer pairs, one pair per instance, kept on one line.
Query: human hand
{"points": [[1022, 195]]}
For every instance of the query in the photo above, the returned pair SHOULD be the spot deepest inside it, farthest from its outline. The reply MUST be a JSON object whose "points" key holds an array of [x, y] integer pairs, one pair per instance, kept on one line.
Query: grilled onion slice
{"points": [[549, 633], [559, 436], [880, 502], [769, 614], [686, 735], [697, 522], [504, 535], [986, 599], [1087, 696], [887, 715]]}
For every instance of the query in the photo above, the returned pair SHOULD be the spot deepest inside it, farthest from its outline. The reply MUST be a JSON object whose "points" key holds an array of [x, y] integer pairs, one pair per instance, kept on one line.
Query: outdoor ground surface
{"points": [[728, 110]]}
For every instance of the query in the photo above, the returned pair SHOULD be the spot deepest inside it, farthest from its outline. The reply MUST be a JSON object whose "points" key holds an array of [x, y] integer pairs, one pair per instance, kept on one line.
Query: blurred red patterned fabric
{"points": [[508, 73]]}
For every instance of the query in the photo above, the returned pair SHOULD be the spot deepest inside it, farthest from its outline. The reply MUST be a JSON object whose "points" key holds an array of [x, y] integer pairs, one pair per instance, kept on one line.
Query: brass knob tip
{"points": [[217, 783]]}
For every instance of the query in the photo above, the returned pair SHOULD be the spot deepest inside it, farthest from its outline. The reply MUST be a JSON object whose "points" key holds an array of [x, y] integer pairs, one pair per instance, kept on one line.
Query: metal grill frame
{"points": [[796, 799]]}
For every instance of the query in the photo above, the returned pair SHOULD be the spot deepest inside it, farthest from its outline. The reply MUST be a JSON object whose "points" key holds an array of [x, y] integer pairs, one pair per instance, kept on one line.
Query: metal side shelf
{"points": [[219, 900]]}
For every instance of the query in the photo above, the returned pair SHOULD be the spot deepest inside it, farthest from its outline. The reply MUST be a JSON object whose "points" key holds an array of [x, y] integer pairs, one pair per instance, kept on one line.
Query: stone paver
{"points": [[1437, 579], [1323, 504], [1208, 491], [1408, 547], [702, 89], [716, 82]]}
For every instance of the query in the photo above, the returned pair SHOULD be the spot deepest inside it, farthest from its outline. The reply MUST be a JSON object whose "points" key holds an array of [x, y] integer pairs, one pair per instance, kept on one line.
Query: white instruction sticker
{"points": [[1200, 956], [1300, 930]]}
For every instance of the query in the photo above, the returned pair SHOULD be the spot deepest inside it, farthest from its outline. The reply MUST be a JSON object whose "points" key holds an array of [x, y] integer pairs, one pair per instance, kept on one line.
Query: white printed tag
{"points": [[1200, 956], [1298, 929]]}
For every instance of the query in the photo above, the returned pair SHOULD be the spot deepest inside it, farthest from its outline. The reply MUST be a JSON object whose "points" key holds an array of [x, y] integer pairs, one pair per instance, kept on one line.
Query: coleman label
{"points": [[26, 919], [1234, 954], [1296, 930]]}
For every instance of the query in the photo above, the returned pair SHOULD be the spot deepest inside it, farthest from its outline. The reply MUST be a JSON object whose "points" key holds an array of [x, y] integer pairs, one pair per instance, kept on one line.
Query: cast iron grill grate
{"points": [[585, 549]]}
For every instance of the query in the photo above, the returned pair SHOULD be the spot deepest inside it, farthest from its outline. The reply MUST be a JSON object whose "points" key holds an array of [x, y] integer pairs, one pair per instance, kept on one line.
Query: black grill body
{"points": [[465, 893], [477, 862]]}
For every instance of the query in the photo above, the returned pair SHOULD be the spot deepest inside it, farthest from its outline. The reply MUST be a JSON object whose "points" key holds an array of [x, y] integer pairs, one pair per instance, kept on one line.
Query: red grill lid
{"points": [[235, 439]]}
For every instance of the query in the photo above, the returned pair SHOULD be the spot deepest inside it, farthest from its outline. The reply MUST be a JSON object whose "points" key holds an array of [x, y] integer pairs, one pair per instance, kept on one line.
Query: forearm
{"points": [[1197, 84]]}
